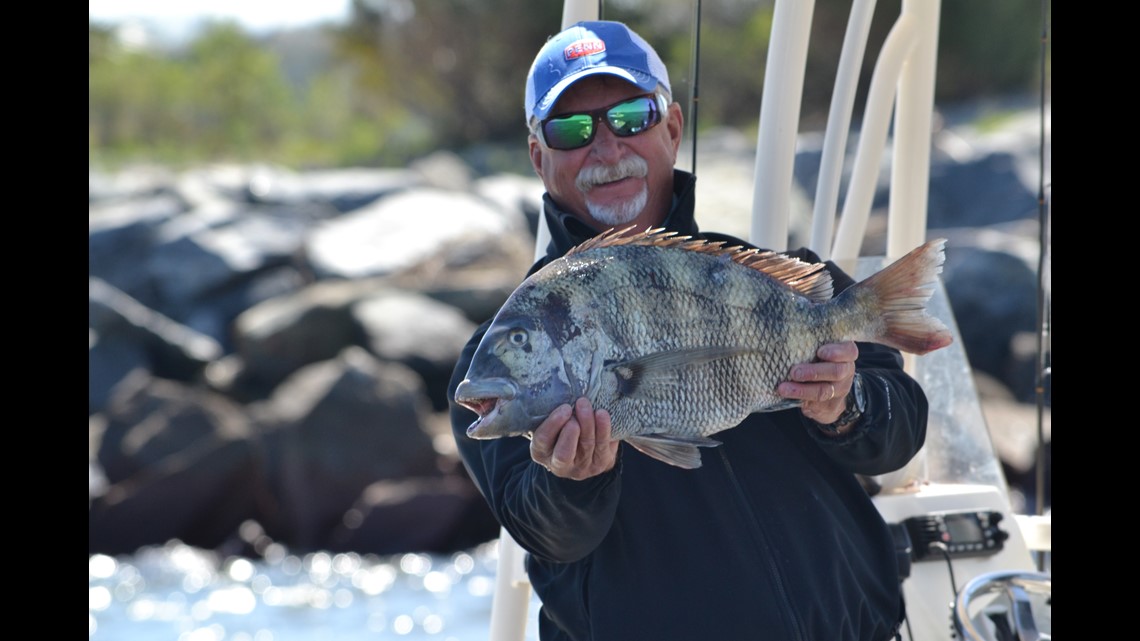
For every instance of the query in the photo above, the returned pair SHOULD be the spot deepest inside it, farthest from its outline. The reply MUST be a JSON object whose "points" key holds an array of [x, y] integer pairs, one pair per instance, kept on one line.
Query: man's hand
{"points": [[824, 384], [575, 444]]}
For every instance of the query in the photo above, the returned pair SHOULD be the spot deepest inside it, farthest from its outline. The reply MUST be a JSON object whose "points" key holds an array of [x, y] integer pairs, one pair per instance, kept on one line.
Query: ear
{"points": [[675, 122], [535, 149]]}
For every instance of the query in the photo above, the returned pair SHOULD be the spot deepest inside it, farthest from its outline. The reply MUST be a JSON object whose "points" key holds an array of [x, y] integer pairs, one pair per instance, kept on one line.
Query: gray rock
{"points": [[283, 334], [127, 335], [993, 295], [444, 170], [226, 248], [400, 232], [981, 192], [341, 189], [339, 426], [415, 330], [172, 461], [150, 420], [433, 514], [121, 237], [514, 193], [136, 183], [200, 496]]}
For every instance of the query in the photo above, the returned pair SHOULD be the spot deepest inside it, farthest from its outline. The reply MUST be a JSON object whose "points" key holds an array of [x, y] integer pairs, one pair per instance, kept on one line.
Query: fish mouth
{"points": [[486, 398]]}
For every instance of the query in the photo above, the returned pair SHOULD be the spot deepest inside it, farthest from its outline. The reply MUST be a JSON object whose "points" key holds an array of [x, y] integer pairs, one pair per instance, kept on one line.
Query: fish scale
{"points": [[679, 339]]}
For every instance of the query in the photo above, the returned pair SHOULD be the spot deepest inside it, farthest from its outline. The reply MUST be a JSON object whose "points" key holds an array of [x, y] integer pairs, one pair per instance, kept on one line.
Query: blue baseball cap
{"points": [[585, 49]]}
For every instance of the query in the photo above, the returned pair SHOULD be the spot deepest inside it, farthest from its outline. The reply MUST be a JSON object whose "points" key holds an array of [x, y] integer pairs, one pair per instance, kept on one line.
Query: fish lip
{"points": [[477, 394], [473, 430], [486, 398]]}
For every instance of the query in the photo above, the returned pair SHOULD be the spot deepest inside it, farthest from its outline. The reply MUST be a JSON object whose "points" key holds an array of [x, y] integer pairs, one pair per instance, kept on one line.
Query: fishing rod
{"points": [[693, 94], [1044, 299]]}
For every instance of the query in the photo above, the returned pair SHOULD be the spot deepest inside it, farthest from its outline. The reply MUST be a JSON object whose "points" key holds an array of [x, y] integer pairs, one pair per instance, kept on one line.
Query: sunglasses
{"points": [[626, 118]]}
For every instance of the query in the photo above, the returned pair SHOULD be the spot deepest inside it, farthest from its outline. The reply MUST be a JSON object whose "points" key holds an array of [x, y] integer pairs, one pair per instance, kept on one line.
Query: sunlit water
{"points": [[179, 593]]}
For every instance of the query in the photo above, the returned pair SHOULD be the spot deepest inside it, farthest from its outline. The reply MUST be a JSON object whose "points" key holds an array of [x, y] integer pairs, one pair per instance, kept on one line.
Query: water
{"points": [[180, 593]]}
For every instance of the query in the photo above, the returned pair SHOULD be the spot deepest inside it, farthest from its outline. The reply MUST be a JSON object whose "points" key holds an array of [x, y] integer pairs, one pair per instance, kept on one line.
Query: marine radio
{"points": [[963, 533]]}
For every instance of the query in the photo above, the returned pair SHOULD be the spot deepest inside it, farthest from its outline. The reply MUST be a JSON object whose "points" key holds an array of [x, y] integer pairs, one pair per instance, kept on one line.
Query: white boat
{"points": [[972, 568]]}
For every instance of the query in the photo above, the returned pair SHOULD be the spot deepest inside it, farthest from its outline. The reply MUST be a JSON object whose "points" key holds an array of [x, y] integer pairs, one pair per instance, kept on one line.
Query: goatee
{"points": [[618, 213]]}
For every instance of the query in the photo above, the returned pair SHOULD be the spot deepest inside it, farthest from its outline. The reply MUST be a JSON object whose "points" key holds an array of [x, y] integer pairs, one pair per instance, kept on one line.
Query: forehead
{"points": [[595, 91]]}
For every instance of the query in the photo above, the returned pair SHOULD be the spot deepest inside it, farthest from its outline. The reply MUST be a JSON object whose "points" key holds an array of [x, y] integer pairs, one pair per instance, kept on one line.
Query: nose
{"points": [[606, 144]]}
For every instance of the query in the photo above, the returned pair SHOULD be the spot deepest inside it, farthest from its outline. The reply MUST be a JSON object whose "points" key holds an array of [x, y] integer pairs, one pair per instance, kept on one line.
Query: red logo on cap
{"points": [[583, 47]]}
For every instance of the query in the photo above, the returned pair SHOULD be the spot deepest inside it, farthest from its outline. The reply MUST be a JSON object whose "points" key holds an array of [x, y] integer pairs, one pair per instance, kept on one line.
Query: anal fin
{"points": [[785, 404], [680, 451]]}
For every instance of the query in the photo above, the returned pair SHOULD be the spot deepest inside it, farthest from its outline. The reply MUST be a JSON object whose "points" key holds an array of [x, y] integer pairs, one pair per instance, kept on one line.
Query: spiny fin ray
{"points": [[808, 279]]}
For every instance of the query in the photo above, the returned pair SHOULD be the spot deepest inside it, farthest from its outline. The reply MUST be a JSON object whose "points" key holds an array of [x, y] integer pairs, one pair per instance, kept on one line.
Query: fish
{"points": [[680, 338]]}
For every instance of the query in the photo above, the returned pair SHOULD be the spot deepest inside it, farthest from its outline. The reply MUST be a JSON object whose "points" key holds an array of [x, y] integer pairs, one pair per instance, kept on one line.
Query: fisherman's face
{"points": [[582, 181]]}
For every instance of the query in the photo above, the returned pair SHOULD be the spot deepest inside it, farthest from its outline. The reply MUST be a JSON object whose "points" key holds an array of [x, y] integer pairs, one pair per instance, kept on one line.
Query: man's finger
{"points": [[566, 447]]}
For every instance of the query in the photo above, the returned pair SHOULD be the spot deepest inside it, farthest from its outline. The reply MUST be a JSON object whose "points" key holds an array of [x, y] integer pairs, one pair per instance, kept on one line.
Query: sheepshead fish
{"points": [[679, 338]]}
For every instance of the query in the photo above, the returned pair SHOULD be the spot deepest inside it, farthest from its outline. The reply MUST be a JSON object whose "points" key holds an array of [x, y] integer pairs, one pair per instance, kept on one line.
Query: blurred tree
{"points": [[734, 50], [135, 100], [225, 99], [991, 48], [100, 41], [402, 78], [240, 104], [454, 64]]}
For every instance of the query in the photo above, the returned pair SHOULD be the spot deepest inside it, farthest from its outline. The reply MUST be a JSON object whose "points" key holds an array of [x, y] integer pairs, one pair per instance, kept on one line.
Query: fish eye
{"points": [[517, 336]]}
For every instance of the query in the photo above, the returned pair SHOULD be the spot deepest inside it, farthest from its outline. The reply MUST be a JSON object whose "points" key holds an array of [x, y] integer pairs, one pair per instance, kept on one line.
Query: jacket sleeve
{"points": [[893, 426], [553, 518]]}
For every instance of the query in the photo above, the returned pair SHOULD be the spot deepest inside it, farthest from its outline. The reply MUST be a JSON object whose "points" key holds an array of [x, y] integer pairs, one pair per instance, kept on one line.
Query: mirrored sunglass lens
{"points": [[632, 117], [569, 132]]}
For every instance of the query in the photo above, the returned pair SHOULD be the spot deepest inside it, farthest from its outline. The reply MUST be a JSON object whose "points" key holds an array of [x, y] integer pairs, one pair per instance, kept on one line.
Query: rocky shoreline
{"points": [[269, 350]]}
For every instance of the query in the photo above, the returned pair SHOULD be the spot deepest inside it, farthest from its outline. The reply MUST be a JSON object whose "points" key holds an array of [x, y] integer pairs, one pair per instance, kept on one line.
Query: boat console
{"points": [[958, 538]]}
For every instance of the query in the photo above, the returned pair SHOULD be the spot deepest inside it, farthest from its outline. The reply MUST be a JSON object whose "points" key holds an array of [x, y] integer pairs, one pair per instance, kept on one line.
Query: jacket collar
{"points": [[566, 230]]}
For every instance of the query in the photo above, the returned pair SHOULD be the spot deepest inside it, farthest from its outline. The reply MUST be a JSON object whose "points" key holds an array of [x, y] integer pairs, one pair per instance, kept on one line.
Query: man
{"points": [[772, 537]]}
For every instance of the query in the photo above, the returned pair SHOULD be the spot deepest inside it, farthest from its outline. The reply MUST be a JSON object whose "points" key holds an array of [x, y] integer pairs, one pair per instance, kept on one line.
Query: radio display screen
{"points": [[963, 529]]}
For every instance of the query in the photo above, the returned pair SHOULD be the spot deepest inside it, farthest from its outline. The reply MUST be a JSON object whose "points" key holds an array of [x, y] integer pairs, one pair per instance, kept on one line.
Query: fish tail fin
{"points": [[675, 450], [900, 292]]}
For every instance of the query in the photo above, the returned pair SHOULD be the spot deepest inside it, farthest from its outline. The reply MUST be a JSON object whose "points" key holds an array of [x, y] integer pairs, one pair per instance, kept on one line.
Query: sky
{"points": [[179, 17]]}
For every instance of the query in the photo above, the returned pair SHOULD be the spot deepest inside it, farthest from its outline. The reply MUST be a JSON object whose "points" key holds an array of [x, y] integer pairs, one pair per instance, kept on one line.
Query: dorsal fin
{"points": [[809, 279]]}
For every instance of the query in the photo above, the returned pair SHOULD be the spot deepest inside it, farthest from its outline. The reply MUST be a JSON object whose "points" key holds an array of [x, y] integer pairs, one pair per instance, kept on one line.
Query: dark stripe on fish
{"points": [[559, 320]]}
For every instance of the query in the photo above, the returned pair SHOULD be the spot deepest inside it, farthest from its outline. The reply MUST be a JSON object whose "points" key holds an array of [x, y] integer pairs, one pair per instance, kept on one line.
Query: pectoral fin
{"points": [[663, 369], [675, 450]]}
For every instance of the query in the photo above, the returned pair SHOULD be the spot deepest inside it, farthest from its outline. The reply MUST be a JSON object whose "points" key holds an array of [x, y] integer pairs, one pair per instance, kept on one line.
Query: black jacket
{"points": [[772, 538]]}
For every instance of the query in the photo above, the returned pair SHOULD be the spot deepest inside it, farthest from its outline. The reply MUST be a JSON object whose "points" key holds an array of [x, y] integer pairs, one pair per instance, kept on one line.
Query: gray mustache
{"points": [[630, 167]]}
